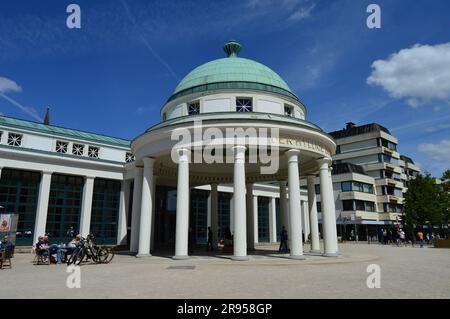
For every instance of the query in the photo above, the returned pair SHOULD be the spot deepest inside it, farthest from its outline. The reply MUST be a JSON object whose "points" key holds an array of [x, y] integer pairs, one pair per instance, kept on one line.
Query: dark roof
{"points": [[352, 130], [406, 159], [343, 168]]}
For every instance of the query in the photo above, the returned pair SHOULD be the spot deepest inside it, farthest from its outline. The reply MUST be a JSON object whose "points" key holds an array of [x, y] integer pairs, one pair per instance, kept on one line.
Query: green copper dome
{"points": [[232, 72]]}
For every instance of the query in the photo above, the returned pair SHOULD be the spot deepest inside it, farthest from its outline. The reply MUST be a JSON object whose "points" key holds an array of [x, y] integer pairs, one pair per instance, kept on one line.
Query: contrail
{"points": [[31, 112], [148, 45]]}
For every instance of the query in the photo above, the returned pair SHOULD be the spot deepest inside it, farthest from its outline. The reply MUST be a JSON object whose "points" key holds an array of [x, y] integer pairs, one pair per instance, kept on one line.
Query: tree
{"points": [[425, 203]]}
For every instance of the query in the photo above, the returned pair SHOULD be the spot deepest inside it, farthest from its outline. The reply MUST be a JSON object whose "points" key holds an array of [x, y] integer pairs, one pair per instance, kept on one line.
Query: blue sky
{"points": [[113, 75]]}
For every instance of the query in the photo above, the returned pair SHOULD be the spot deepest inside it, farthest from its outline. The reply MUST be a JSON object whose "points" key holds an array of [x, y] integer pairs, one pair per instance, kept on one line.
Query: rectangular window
{"points": [[288, 110], [62, 147], [317, 189], [370, 206], [15, 139], [78, 149], [359, 204], [319, 207], [347, 205], [388, 145], [129, 157], [194, 108], [93, 151], [105, 210], [346, 186], [244, 104]]}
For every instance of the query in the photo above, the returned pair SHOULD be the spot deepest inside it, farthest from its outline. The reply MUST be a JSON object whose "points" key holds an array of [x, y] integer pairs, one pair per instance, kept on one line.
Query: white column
{"points": [[273, 220], [123, 212], [328, 210], [153, 232], [250, 218], [295, 221], [313, 220], [182, 220], [284, 218], [86, 206], [136, 209], [305, 219], [214, 214], [255, 219], [232, 214], [239, 209], [42, 205], [147, 203]]}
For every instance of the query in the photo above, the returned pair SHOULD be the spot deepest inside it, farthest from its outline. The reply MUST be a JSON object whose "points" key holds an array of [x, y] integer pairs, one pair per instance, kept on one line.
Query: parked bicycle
{"points": [[86, 250]]}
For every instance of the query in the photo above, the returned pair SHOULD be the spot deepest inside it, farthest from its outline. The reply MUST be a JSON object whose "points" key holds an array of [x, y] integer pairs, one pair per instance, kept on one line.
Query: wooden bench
{"points": [[5, 257]]}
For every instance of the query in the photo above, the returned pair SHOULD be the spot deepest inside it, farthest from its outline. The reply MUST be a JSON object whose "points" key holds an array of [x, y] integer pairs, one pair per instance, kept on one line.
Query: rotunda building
{"points": [[234, 122]]}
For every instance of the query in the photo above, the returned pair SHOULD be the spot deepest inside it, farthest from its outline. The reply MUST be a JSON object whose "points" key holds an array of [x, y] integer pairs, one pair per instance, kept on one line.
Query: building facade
{"points": [[187, 173], [370, 179]]}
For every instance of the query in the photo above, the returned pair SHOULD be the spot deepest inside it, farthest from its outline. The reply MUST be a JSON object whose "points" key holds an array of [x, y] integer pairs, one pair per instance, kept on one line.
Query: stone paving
{"points": [[406, 272]]}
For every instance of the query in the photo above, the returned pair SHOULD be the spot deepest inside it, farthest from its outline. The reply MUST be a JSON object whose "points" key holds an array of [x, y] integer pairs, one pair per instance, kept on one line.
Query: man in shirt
{"points": [[420, 235], [6, 243]]}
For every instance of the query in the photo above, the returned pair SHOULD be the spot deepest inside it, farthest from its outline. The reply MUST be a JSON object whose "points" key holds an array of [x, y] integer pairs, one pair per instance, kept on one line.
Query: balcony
{"points": [[390, 199]]}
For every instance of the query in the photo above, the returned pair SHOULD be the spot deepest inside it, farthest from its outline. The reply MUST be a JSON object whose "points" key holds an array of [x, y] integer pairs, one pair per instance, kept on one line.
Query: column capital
{"points": [[282, 182], [46, 172], [182, 154], [148, 161], [239, 148], [249, 186], [292, 155], [86, 177], [324, 162], [292, 152], [310, 177], [214, 186]]}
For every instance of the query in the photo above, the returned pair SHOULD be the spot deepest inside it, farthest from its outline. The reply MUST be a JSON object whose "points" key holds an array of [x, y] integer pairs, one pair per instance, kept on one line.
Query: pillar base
{"points": [[143, 255], [180, 257], [240, 258], [331, 255], [297, 257], [315, 252]]}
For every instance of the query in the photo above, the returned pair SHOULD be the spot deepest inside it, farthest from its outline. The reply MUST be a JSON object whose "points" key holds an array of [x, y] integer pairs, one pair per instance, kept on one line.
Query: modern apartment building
{"points": [[369, 177]]}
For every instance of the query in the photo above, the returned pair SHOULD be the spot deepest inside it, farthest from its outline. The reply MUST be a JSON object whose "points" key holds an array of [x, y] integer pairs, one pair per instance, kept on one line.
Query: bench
{"points": [[5, 257]]}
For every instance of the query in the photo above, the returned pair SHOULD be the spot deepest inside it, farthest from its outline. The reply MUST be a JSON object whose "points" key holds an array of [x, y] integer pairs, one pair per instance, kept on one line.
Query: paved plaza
{"points": [[406, 272]]}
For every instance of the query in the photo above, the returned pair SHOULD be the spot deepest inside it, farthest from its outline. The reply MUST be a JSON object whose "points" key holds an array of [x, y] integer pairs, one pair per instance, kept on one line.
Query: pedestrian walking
{"points": [[283, 240]]}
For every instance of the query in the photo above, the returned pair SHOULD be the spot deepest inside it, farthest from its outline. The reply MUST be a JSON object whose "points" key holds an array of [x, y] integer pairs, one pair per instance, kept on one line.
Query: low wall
{"points": [[442, 243]]}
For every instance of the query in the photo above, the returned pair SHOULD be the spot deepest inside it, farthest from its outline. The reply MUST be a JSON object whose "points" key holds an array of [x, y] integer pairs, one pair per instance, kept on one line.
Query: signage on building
{"points": [[5, 223]]}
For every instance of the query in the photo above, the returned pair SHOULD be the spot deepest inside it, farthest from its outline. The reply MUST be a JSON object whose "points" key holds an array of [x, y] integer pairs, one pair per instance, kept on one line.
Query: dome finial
{"points": [[232, 48]]}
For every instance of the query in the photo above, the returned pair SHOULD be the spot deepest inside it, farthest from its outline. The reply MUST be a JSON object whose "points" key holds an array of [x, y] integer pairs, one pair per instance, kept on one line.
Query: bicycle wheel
{"points": [[79, 257], [110, 255], [102, 255], [71, 258]]}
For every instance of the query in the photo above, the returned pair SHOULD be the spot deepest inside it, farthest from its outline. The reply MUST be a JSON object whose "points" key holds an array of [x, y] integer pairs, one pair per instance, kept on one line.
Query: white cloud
{"points": [[418, 74], [7, 85], [438, 152], [437, 127], [302, 13]]}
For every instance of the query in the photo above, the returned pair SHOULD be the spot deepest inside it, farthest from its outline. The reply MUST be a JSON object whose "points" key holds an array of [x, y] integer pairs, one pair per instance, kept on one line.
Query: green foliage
{"points": [[426, 202]]}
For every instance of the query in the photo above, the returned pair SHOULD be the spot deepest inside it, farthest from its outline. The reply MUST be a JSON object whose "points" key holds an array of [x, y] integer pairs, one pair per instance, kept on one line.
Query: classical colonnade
{"points": [[243, 203]]}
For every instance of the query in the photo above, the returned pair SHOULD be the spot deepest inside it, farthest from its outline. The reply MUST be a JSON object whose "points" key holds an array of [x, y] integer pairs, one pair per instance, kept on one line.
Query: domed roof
{"points": [[232, 72]]}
